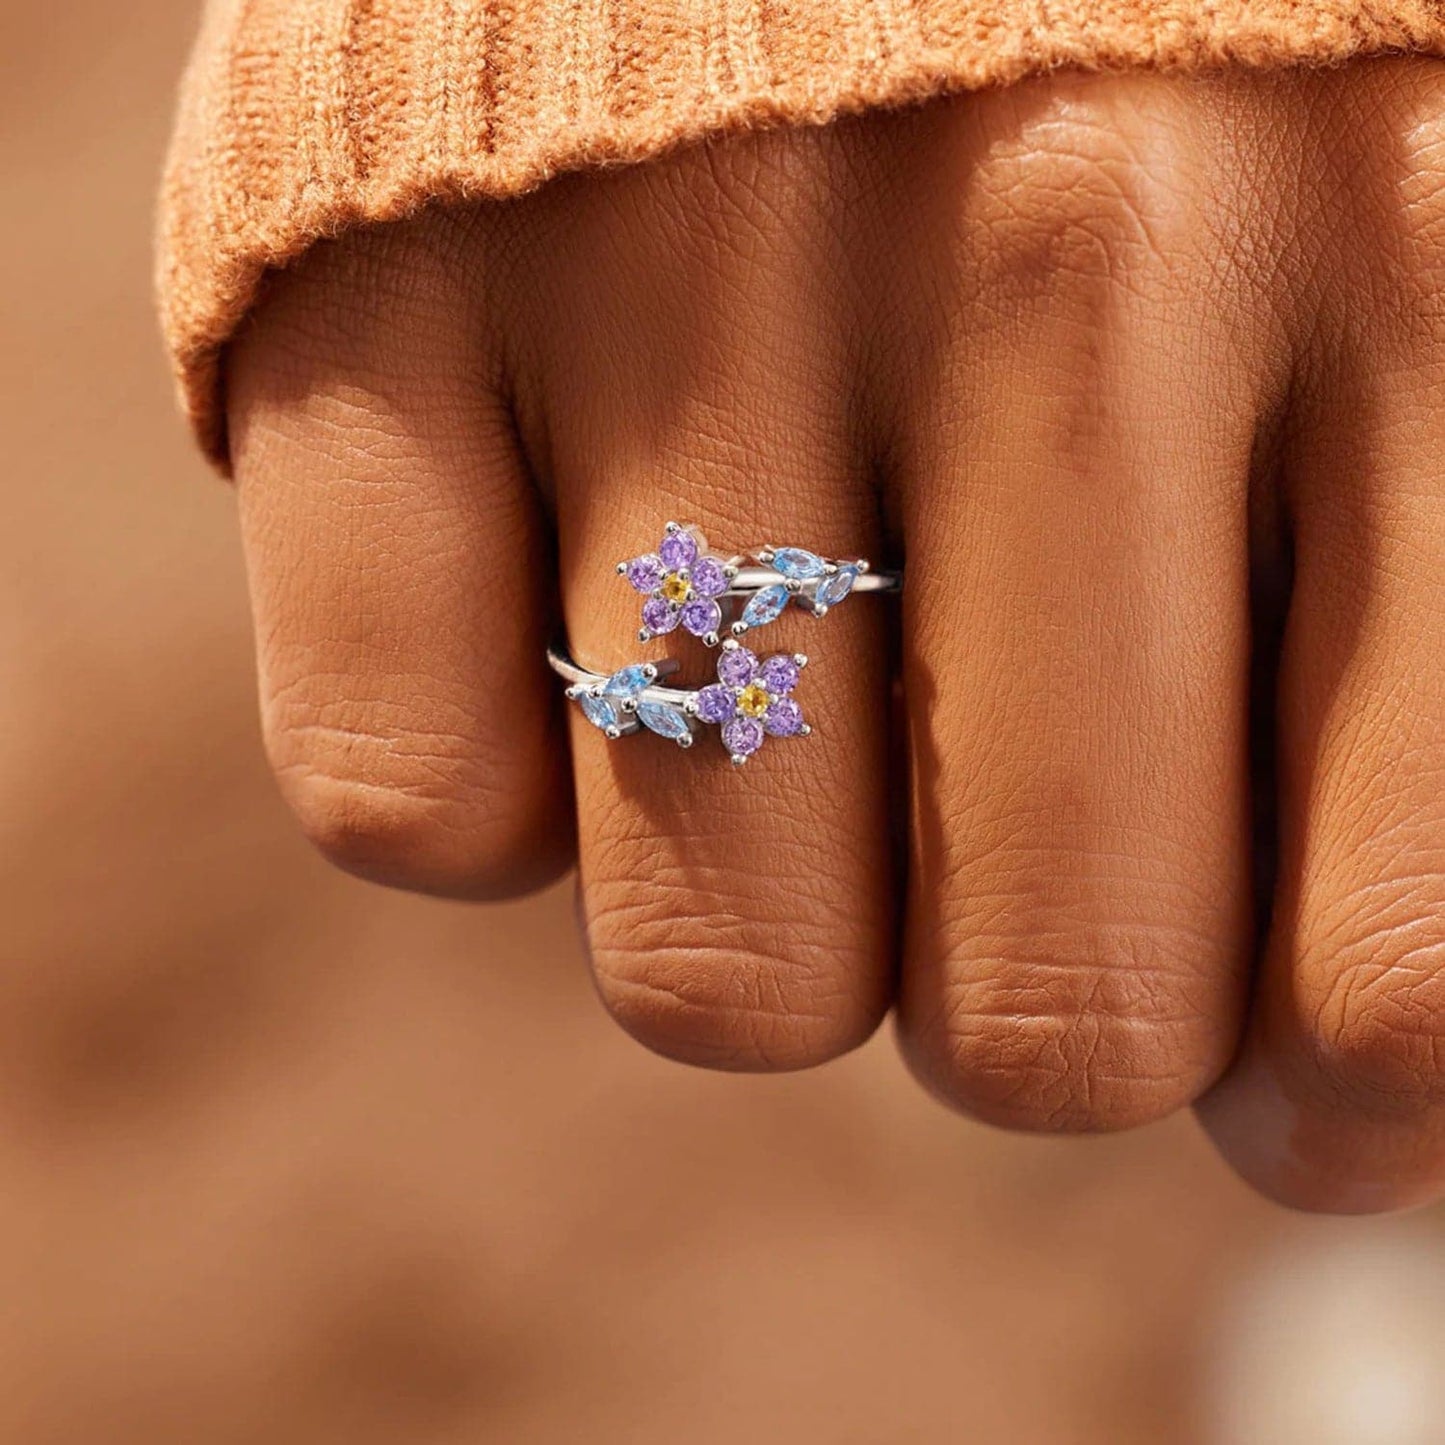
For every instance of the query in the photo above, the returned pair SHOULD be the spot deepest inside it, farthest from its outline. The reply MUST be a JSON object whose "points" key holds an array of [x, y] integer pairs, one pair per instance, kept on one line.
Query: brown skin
{"points": [[1115, 363]]}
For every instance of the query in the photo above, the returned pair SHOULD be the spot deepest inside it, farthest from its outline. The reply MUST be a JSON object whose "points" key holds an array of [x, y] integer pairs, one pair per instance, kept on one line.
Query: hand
{"points": [[1125, 367]]}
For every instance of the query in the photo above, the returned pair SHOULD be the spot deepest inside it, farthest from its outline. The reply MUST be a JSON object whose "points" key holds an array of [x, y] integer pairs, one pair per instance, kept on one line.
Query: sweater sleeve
{"points": [[299, 118]]}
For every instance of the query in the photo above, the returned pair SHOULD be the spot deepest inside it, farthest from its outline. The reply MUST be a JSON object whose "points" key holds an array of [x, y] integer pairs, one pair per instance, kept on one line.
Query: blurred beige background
{"points": [[287, 1159]]}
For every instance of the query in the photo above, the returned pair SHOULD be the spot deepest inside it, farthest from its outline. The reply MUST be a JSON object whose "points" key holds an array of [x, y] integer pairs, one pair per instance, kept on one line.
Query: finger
{"points": [[1339, 1100], [397, 567], [1075, 633], [738, 917]]}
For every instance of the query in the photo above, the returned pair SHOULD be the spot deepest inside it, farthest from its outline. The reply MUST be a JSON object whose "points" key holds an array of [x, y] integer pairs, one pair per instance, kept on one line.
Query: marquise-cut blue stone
{"points": [[797, 565], [766, 606], [627, 681], [832, 590], [599, 712], [666, 721]]}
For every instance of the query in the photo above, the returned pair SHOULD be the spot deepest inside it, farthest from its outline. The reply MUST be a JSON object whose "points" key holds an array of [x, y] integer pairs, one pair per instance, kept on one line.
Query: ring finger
{"points": [[738, 917]]}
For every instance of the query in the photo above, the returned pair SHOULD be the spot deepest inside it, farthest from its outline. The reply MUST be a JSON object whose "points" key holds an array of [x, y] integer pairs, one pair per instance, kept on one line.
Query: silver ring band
{"points": [[751, 579], [560, 661]]}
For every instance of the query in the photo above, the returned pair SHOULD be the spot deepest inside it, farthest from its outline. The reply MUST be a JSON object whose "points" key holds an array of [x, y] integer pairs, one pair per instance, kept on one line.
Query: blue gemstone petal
{"points": [[666, 721], [797, 565], [832, 590], [627, 681], [600, 713], [766, 606]]}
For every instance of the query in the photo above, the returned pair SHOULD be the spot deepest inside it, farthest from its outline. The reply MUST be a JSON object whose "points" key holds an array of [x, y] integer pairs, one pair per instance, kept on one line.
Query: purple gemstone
{"points": [[701, 616], [736, 667], [659, 615], [678, 550], [742, 737], [716, 704], [708, 577], [779, 674], [784, 719], [646, 572]]}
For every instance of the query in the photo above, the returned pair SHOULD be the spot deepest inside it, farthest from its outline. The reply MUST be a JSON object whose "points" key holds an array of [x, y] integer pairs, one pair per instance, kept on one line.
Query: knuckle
{"points": [[1406, 157], [1404, 137], [401, 809], [1085, 184], [1378, 1033], [1385, 213], [697, 980], [1422, 204], [1085, 1031]]}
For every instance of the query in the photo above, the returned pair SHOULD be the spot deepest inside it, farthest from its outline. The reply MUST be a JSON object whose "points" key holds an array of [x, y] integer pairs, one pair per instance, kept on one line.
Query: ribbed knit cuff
{"points": [[299, 118]]}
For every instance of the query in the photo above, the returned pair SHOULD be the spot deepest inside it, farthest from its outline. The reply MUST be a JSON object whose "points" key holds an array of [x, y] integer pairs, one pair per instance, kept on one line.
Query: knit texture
{"points": [[299, 118]]}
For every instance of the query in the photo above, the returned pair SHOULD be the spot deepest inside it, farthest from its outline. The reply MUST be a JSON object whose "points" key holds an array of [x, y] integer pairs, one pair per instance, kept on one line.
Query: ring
{"points": [[684, 586], [751, 701]]}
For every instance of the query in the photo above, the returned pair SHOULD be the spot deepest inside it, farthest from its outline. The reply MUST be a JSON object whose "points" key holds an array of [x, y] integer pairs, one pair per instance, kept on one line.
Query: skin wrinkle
{"points": [[346, 777], [1044, 1074], [651, 924], [692, 981], [708, 896], [348, 736], [1131, 963], [1377, 1014]]}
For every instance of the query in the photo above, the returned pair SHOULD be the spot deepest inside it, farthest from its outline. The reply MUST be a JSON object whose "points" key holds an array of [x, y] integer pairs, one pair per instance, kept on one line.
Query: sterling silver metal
{"points": [[750, 579], [584, 680]]}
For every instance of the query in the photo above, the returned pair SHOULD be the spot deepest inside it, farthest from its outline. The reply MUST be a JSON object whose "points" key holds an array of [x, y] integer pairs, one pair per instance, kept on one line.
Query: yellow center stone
{"points": [[675, 588], [753, 700]]}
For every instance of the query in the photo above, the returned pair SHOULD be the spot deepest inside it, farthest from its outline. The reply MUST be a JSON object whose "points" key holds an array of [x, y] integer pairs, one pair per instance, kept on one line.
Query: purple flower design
{"points": [[681, 584], [752, 700]]}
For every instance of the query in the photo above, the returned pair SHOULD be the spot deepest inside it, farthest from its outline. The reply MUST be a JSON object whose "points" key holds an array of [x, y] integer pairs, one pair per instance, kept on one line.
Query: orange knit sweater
{"points": [[301, 117]]}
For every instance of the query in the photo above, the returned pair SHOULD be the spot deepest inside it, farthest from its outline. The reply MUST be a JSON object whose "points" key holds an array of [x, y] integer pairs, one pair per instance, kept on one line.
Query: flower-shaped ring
{"points": [[752, 699], [682, 585]]}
